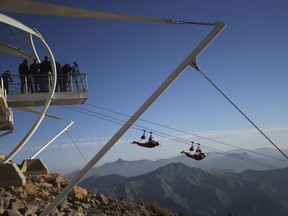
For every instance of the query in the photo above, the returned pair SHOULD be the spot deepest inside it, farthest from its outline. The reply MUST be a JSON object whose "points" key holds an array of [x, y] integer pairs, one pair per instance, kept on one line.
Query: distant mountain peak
{"points": [[175, 168], [176, 165], [120, 160]]}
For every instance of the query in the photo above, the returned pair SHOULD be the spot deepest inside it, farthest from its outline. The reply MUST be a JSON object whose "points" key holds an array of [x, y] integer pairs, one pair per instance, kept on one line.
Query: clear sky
{"points": [[126, 62]]}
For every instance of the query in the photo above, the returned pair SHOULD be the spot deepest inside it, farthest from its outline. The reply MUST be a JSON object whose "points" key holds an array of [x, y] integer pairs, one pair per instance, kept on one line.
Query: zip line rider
{"points": [[198, 155], [151, 143]]}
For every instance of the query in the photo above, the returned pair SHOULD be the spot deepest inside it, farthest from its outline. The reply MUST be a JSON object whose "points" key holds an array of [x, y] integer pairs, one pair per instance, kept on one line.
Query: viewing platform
{"points": [[74, 92]]}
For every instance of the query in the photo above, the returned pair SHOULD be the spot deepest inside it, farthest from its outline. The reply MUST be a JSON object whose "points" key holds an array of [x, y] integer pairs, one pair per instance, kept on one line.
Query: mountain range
{"points": [[194, 191], [236, 161]]}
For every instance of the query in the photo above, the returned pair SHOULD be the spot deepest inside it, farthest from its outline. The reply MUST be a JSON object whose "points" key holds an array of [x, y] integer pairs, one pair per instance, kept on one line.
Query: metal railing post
{"points": [[26, 84], [71, 83]]}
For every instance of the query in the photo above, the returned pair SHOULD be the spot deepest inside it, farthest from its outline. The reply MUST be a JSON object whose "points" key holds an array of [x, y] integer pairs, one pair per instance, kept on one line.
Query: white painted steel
{"points": [[12, 50], [17, 24], [190, 60], [41, 116], [33, 47], [8, 48], [43, 8], [31, 110], [51, 140]]}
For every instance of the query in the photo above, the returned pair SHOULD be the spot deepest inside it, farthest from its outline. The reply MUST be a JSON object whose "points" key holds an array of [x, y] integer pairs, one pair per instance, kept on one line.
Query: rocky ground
{"points": [[40, 190]]}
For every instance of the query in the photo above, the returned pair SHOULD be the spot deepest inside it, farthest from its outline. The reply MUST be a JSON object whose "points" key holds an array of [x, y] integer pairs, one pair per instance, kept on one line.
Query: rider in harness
{"points": [[151, 143], [198, 155]]}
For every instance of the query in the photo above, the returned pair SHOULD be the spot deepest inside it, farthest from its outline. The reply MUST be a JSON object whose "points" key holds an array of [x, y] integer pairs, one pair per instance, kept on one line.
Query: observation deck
{"points": [[70, 92], [17, 39], [73, 91]]}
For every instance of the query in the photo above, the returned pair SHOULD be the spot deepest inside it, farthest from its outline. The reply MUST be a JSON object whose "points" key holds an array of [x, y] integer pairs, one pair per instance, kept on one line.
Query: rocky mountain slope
{"points": [[40, 190], [197, 192]]}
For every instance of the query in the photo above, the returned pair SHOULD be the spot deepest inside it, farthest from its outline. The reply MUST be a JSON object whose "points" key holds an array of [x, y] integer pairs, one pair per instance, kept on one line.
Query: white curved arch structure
{"points": [[15, 51]]}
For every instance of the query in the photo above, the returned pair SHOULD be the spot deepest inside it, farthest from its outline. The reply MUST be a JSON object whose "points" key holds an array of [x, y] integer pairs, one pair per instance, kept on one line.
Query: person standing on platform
{"points": [[66, 71], [23, 71], [59, 77], [6, 76], [45, 72], [35, 71]]}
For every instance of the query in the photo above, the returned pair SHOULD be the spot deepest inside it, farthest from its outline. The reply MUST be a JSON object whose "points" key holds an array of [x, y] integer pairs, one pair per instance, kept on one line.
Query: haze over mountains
{"points": [[236, 161], [236, 182], [194, 191]]}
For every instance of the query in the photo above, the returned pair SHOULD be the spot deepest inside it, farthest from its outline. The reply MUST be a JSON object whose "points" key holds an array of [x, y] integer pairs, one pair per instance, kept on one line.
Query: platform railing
{"points": [[2, 89], [42, 83]]}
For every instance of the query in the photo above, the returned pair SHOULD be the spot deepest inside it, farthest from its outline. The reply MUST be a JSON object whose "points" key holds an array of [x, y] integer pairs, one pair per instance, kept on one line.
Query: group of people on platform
{"points": [[37, 77]]}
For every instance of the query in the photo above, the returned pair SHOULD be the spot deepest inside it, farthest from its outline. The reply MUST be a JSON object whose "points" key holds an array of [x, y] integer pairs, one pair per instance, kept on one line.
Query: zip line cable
{"points": [[181, 140], [177, 139], [106, 118], [121, 122], [76, 147], [160, 134], [175, 129], [117, 121], [198, 69], [239, 157], [186, 142], [91, 171]]}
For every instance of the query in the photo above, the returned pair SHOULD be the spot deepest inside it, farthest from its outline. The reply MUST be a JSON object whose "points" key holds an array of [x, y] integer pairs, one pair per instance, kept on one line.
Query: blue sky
{"points": [[126, 61]]}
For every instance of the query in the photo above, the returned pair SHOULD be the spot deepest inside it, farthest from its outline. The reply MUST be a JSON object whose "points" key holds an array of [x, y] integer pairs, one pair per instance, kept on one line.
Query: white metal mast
{"points": [[51, 140], [190, 60]]}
